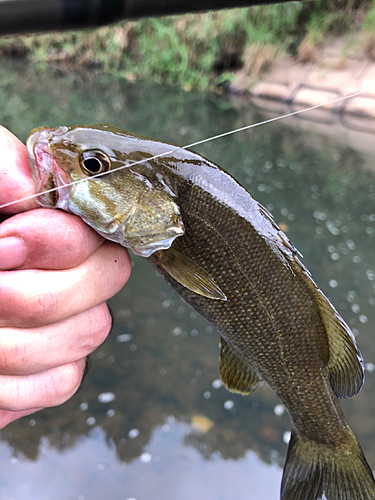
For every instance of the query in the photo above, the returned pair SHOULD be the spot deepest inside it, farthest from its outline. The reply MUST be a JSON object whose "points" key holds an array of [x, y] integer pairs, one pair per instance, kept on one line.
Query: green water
{"points": [[152, 420]]}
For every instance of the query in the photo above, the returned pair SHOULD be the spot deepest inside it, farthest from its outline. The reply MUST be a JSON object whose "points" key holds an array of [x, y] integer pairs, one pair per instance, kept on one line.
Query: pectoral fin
{"points": [[189, 274], [237, 375]]}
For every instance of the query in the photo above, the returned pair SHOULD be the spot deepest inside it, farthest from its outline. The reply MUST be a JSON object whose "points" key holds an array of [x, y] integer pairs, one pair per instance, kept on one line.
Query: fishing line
{"points": [[203, 141]]}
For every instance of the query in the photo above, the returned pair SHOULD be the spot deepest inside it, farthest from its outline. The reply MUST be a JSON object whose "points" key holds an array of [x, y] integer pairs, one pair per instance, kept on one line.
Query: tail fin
{"points": [[315, 471]]}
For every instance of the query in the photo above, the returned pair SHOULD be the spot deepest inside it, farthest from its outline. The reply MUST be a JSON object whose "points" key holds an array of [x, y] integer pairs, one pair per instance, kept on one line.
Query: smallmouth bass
{"points": [[221, 251]]}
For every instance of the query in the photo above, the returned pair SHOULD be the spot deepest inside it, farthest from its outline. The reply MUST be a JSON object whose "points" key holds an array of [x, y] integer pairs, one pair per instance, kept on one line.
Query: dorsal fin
{"points": [[345, 363], [237, 375]]}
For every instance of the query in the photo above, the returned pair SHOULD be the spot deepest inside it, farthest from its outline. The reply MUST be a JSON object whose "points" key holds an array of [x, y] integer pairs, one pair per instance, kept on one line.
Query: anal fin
{"points": [[237, 375]]}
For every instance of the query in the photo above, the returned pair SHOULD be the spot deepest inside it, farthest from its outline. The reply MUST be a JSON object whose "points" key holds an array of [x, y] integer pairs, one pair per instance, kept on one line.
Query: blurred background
{"points": [[152, 419]]}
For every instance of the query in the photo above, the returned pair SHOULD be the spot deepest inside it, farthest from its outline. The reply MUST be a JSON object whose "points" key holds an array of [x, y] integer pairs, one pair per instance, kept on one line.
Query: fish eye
{"points": [[94, 162]]}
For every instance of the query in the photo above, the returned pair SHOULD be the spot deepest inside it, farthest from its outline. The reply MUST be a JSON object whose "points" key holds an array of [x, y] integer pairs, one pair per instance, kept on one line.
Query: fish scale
{"points": [[250, 314], [248, 320], [221, 251]]}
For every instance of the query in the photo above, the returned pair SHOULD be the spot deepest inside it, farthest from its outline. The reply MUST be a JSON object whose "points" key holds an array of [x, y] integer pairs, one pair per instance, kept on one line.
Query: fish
{"points": [[225, 256]]}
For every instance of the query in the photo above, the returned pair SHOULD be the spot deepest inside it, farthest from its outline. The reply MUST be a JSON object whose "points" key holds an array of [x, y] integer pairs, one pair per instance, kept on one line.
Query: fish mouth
{"points": [[48, 177]]}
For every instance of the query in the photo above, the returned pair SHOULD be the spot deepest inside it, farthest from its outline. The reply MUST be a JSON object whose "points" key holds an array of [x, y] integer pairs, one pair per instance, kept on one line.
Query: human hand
{"points": [[55, 276]]}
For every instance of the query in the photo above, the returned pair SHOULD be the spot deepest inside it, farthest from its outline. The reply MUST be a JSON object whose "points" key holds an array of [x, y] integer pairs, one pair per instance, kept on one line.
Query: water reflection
{"points": [[90, 470], [152, 417]]}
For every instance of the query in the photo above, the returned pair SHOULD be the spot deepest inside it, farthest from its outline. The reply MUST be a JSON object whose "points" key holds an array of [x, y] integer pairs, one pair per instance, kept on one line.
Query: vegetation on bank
{"points": [[202, 51]]}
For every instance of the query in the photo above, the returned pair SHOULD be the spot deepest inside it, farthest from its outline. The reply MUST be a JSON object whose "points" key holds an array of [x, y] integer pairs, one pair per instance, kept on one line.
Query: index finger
{"points": [[15, 175]]}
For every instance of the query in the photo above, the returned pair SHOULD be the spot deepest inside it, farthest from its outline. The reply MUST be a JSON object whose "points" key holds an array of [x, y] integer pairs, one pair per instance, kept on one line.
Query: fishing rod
{"points": [[22, 16], [202, 141]]}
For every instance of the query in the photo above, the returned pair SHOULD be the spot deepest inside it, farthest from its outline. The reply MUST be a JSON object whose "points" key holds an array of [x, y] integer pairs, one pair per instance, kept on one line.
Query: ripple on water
{"points": [[133, 433], [145, 457], [106, 397], [217, 383], [279, 410], [229, 404], [125, 337], [286, 437]]}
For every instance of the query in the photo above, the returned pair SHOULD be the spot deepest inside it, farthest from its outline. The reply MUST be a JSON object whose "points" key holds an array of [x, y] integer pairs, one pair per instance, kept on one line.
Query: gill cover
{"points": [[126, 208]]}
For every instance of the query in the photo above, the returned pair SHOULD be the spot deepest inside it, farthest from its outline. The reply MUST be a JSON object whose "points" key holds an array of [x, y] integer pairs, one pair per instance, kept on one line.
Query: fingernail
{"points": [[12, 253]]}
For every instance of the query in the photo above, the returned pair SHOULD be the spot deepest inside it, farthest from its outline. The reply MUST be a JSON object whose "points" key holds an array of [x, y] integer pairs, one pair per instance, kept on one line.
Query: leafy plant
{"points": [[199, 50]]}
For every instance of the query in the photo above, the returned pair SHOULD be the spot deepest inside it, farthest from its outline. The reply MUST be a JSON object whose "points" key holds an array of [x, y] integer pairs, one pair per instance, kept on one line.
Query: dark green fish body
{"points": [[221, 251]]}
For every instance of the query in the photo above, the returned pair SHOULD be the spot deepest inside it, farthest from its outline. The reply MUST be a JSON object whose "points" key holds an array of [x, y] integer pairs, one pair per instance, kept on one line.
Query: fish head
{"points": [[100, 174]]}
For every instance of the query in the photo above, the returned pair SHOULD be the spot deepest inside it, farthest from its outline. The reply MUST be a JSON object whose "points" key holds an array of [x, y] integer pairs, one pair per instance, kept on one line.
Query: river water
{"points": [[152, 420]]}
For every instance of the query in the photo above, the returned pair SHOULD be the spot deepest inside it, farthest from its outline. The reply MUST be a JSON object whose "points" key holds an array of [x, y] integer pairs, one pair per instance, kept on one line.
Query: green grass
{"points": [[369, 22]]}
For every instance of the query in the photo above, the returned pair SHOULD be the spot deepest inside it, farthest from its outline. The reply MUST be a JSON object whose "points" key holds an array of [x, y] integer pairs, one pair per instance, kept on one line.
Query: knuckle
{"points": [[65, 381], [103, 325], [120, 265], [42, 390], [27, 298], [13, 357], [81, 240], [13, 393], [40, 307], [99, 328], [125, 264]]}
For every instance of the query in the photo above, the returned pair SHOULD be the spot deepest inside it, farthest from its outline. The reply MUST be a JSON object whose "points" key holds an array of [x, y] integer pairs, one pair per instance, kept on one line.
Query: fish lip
{"points": [[46, 173]]}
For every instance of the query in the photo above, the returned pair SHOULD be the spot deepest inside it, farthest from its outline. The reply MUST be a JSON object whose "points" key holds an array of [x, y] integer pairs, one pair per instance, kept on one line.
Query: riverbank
{"points": [[234, 49], [330, 77], [298, 53]]}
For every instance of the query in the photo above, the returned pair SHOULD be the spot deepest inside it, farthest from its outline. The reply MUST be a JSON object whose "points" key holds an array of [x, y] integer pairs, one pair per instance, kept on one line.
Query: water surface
{"points": [[152, 419]]}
